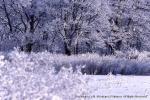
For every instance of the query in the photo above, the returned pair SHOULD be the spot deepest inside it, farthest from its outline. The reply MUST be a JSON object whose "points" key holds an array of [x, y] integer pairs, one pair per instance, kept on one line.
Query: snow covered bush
{"points": [[44, 62], [23, 77], [41, 63]]}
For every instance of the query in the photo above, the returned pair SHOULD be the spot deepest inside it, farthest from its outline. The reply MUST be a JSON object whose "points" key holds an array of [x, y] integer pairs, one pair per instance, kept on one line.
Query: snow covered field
{"points": [[39, 77], [119, 87], [96, 88]]}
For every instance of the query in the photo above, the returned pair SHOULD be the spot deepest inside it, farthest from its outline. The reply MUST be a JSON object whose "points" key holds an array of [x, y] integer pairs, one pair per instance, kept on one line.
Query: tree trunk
{"points": [[118, 45], [110, 49], [7, 16], [32, 23], [67, 50]]}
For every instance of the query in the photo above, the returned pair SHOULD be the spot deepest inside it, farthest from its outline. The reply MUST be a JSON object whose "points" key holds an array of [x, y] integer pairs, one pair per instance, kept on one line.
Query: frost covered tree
{"points": [[121, 25], [140, 16], [21, 22], [77, 22], [9, 23], [11, 20], [129, 21], [74, 26]]}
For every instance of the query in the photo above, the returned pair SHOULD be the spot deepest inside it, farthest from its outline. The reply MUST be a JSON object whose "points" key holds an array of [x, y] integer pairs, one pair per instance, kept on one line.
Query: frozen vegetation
{"points": [[24, 77], [75, 26], [130, 63], [60, 42], [46, 76]]}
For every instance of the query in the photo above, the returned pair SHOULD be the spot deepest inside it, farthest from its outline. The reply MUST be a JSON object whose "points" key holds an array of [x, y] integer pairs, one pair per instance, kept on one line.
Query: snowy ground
{"points": [[97, 88], [119, 88], [33, 77]]}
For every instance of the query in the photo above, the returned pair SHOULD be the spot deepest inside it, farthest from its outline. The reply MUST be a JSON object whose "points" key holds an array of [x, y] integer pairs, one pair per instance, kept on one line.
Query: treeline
{"points": [[74, 26]]}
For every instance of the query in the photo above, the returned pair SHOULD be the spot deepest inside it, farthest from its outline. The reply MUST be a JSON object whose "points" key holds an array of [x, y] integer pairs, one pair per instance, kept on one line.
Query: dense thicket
{"points": [[75, 26]]}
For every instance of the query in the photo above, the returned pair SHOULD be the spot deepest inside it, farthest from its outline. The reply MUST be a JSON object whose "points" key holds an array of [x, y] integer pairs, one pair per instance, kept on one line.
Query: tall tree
{"points": [[76, 21]]}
